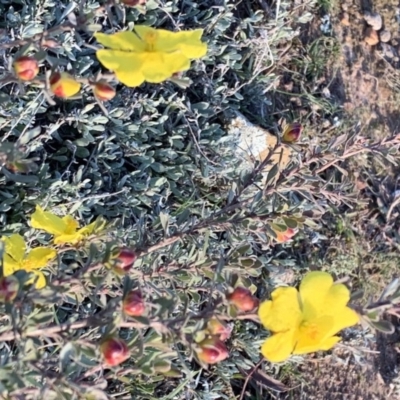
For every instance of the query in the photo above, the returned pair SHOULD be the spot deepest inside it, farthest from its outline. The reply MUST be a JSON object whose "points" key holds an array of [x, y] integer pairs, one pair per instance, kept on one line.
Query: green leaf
{"points": [[382, 326]]}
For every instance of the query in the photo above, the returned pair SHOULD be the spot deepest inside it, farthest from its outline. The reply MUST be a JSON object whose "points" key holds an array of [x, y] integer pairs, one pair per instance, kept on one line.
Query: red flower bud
{"points": [[212, 351], [292, 133], [132, 3], [282, 237], [9, 286], [64, 85], [242, 299], [103, 91], [217, 328], [124, 260], [133, 304], [114, 350], [26, 68]]}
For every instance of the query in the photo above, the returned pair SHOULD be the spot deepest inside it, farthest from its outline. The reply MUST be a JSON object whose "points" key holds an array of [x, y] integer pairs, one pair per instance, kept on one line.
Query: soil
{"points": [[365, 81], [369, 74]]}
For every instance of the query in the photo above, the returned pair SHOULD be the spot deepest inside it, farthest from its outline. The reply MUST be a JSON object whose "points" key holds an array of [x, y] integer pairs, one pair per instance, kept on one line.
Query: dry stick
{"points": [[395, 203], [250, 374], [93, 321], [67, 326]]}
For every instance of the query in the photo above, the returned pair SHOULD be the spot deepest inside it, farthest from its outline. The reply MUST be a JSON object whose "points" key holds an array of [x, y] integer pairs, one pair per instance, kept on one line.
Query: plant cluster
{"points": [[136, 243]]}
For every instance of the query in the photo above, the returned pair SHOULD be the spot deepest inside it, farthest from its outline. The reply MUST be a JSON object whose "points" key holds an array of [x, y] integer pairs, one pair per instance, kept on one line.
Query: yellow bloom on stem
{"points": [[65, 229], [17, 258], [307, 320], [149, 54]]}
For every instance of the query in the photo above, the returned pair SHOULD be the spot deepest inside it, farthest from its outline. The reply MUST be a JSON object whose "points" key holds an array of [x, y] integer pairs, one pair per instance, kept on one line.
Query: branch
{"points": [[67, 26]]}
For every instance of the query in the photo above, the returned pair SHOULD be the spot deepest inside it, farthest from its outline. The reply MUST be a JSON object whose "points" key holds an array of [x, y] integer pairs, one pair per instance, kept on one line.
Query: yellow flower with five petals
{"points": [[307, 320], [16, 258], [148, 54], [65, 229]]}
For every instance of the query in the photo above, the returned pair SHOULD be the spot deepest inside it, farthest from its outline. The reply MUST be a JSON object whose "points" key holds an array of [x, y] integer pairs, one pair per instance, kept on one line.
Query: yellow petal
{"points": [[71, 238], [71, 224], [320, 296], [126, 41], [88, 229], [127, 66], [15, 246], [345, 318], [325, 345], [188, 42], [283, 312], [10, 265], [279, 346], [171, 63], [38, 258], [40, 279], [48, 222]]}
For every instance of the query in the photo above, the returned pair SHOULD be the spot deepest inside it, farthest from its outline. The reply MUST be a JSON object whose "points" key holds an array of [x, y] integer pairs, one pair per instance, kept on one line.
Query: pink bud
{"points": [[292, 133], [282, 237], [217, 328], [9, 286], [26, 68], [133, 304], [243, 299], [103, 91], [124, 260], [212, 351], [114, 350], [64, 85]]}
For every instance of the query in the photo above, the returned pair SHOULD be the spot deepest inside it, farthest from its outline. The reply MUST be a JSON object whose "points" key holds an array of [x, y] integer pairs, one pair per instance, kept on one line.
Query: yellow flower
{"points": [[65, 229], [16, 258], [151, 55], [305, 321]]}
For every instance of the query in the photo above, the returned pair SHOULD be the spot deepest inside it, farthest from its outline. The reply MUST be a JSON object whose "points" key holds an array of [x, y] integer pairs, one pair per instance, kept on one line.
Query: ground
{"points": [[362, 81]]}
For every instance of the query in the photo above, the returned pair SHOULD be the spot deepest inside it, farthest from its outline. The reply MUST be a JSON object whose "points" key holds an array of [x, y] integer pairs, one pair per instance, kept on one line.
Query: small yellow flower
{"points": [[65, 229], [17, 258], [307, 320], [149, 54]]}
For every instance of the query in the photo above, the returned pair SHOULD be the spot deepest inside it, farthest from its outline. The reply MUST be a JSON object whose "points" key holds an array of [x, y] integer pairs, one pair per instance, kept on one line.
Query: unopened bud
{"points": [[114, 350], [103, 91], [26, 68], [64, 85], [217, 328], [292, 133], [282, 237], [124, 260], [9, 286], [243, 299], [211, 351], [133, 304]]}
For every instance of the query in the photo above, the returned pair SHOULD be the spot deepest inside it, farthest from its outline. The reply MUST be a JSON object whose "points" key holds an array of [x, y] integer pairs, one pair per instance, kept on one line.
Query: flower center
{"points": [[27, 265], [310, 329], [71, 228], [150, 39]]}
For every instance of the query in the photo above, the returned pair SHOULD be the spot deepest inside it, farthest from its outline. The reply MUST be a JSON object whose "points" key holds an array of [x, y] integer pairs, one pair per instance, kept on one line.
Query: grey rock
{"points": [[385, 36], [374, 20]]}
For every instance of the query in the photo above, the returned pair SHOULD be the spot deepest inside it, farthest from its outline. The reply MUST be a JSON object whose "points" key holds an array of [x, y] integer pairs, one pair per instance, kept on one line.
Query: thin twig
{"points": [[67, 26], [250, 374]]}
